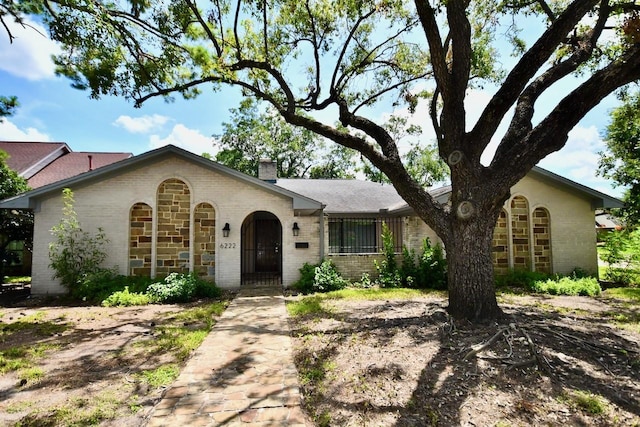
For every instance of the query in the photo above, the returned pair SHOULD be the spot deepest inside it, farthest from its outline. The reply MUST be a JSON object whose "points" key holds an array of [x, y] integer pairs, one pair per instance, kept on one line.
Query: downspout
{"points": [[321, 213]]}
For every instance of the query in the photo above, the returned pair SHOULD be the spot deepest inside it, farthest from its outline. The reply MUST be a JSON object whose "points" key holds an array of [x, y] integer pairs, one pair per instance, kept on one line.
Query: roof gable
{"points": [[30, 198], [598, 199], [28, 158]]}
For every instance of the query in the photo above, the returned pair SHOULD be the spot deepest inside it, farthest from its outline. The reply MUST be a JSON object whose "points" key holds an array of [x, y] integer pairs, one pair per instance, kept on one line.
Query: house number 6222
{"points": [[227, 245]]}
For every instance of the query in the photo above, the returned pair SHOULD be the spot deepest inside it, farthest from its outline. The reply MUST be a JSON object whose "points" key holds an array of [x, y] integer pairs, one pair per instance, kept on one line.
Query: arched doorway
{"points": [[261, 246]]}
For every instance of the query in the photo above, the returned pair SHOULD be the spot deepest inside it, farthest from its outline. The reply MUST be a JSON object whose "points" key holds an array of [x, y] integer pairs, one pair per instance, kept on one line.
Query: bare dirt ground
{"points": [[90, 361], [558, 361], [361, 363]]}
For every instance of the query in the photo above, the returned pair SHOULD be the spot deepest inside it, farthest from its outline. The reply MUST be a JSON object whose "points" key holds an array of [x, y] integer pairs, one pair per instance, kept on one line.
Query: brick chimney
{"points": [[268, 170]]}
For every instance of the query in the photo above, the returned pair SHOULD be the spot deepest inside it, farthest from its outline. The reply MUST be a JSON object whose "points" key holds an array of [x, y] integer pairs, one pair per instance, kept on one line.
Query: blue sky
{"points": [[51, 110]]}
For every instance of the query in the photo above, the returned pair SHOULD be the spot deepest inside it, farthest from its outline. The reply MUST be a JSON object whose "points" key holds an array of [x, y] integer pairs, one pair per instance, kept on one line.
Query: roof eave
{"points": [[598, 199], [299, 202]]}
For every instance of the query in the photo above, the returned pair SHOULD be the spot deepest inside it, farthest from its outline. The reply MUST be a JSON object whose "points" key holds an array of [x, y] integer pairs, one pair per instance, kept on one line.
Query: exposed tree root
{"points": [[507, 333]]}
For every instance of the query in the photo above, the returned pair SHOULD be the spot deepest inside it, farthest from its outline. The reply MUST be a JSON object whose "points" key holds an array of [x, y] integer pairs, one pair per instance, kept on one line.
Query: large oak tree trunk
{"points": [[470, 270]]}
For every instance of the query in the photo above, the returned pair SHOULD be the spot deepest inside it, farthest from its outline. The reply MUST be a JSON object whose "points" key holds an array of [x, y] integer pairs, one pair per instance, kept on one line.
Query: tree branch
{"points": [[524, 70], [521, 122], [205, 27], [551, 133]]}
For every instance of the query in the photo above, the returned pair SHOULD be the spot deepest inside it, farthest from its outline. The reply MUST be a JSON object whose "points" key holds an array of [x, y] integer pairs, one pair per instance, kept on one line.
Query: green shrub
{"points": [[328, 278], [97, 286], [432, 267], [568, 286], [206, 289], [323, 277], [307, 278], [621, 252], [176, 287], [520, 279], [74, 253], [125, 298], [428, 272]]}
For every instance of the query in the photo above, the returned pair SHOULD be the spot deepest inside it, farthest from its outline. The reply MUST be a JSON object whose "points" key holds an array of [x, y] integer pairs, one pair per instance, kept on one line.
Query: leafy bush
{"points": [[520, 279], [621, 252], [307, 278], [176, 287], [206, 289], [568, 286], [429, 271], [432, 267], [125, 298], [388, 273], [74, 253], [96, 287], [323, 277]]}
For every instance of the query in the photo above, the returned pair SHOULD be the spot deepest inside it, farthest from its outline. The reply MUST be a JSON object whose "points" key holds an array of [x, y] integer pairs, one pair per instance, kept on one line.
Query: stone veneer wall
{"points": [[541, 240], [520, 233], [172, 249], [204, 225], [140, 239], [501, 245]]}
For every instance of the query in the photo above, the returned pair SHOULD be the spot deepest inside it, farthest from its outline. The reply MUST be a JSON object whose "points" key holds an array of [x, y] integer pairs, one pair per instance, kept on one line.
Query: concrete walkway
{"points": [[242, 374]]}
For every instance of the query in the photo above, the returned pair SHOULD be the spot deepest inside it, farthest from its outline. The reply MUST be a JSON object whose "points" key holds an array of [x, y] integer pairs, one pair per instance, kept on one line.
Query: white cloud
{"points": [[11, 132], [579, 157], [143, 124], [578, 160], [183, 137], [29, 56]]}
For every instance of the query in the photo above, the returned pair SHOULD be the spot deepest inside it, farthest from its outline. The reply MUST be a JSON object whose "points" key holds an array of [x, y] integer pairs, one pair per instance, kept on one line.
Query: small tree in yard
{"points": [[74, 253]]}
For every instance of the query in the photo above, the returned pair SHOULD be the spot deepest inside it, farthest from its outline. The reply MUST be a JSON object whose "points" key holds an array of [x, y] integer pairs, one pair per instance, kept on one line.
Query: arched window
{"points": [[501, 245], [204, 236], [173, 227], [542, 240], [520, 233], [140, 236]]}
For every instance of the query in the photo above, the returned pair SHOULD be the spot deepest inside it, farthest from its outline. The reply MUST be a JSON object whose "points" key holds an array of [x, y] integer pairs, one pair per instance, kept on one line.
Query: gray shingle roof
{"points": [[347, 196]]}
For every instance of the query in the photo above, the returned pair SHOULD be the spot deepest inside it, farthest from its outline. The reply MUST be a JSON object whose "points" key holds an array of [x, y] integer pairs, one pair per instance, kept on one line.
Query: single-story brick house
{"points": [[170, 210]]}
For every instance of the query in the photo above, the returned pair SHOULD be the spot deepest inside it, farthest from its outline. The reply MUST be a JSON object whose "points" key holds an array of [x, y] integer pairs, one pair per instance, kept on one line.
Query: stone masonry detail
{"points": [[140, 239], [172, 247], [542, 240], [204, 224], [501, 245], [520, 233]]}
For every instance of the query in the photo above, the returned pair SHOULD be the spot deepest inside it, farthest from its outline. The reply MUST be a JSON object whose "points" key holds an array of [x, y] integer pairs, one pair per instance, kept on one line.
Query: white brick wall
{"points": [[106, 204], [573, 233]]}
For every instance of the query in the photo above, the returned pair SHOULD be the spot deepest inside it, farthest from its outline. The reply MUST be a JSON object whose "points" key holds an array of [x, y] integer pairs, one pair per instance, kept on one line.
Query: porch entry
{"points": [[261, 246]]}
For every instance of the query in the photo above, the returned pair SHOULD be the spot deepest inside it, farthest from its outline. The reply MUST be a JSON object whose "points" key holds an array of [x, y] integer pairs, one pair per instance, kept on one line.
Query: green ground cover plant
{"points": [[568, 286], [312, 304], [17, 279], [578, 282], [186, 332], [631, 294]]}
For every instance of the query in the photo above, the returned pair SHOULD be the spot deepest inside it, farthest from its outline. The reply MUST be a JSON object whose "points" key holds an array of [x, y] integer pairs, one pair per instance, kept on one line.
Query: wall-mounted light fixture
{"points": [[295, 229], [226, 229]]}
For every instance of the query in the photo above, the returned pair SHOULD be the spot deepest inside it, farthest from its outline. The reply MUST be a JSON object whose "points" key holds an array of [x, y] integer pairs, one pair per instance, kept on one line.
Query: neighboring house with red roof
{"points": [[170, 210], [42, 163]]}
